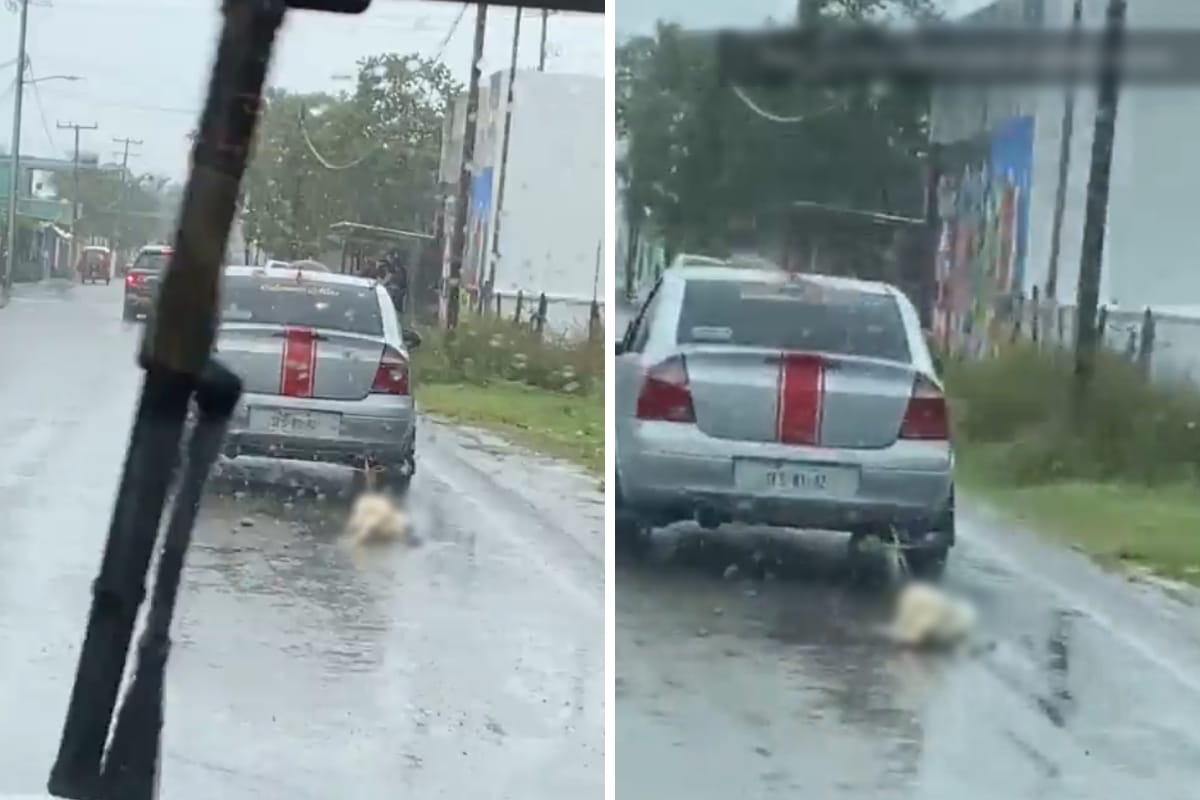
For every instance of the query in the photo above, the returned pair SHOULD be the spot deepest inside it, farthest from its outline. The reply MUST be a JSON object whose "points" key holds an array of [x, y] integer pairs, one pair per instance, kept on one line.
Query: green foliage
{"points": [[486, 349], [148, 210], [1010, 409], [381, 144], [703, 168]]}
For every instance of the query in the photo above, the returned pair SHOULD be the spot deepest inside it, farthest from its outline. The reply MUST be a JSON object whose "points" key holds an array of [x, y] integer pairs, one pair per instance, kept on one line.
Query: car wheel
{"points": [[632, 536], [928, 564], [128, 314]]}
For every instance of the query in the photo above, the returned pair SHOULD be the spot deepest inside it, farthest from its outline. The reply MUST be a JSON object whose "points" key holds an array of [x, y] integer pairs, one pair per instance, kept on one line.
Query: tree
{"points": [[703, 166], [135, 214], [369, 156]]}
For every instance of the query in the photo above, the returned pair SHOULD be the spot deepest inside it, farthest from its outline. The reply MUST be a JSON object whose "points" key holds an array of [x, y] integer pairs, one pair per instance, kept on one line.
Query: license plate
{"points": [[321, 425], [796, 480]]}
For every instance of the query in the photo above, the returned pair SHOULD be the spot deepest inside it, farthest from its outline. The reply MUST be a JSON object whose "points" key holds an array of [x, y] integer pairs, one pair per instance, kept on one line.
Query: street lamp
{"points": [[14, 159], [53, 78]]}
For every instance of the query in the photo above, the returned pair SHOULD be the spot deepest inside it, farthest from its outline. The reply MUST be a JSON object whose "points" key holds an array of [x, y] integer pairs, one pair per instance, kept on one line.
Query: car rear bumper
{"points": [[672, 472], [378, 428], [139, 302]]}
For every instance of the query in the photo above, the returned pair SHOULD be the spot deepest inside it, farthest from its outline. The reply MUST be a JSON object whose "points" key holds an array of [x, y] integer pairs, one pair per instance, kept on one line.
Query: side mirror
{"points": [[412, 339]]}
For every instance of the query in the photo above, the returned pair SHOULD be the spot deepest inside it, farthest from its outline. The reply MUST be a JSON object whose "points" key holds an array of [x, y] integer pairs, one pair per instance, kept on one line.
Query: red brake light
{"points": [[927, 416], [665, 394], [132, 279], [391, 377]]}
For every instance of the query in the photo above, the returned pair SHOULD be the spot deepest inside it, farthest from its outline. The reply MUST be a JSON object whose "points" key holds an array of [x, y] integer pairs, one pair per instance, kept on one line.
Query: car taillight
{"points": [[391, 377], [927, 416], [665, 394], [133, 280]]}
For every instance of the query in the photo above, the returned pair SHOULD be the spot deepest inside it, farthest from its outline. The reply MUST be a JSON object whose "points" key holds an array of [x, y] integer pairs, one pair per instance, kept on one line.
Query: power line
{"points": [[462, 12]]}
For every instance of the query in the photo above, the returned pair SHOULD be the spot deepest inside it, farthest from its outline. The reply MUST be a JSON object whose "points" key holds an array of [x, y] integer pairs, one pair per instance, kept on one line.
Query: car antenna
{"points": [[179, 374]]}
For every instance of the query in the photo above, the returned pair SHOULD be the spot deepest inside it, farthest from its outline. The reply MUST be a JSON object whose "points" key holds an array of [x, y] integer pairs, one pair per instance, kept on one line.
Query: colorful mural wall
{"points": [[479, 214], [983, 206]]}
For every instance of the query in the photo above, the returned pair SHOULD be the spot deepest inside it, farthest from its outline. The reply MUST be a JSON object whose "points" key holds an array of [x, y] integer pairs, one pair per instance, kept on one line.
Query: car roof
{"points": [[757, 275], [157, 248], [308, 276]]}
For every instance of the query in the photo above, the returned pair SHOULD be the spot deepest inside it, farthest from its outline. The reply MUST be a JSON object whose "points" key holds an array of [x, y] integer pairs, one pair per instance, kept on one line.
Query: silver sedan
{"points": [[798, 401], [325, 364]]}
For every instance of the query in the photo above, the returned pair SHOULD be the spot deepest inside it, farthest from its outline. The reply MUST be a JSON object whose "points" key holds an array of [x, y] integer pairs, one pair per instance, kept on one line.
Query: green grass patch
{"points": [[561, 425], [1118, 478], [1121, 526]]}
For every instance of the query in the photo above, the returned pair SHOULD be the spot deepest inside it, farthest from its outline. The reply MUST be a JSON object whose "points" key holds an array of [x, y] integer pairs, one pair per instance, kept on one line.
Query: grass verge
{"points": [[1122, 526], [561, 425], [1116, 478]]}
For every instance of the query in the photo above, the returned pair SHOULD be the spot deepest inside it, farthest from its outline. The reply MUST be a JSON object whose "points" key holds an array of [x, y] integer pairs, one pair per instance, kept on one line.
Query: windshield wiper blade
{"points": [[175, 356]]}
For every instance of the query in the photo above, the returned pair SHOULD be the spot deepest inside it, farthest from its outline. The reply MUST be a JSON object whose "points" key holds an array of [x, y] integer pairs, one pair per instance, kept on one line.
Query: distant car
{"points": [[325, 365], [142, 280], [95, 264], [799, 401]]}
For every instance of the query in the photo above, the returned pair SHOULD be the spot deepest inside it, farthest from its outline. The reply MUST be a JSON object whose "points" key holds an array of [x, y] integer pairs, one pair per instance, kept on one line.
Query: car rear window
{"points": [[800, 315], [151, 262], [286, 301]]}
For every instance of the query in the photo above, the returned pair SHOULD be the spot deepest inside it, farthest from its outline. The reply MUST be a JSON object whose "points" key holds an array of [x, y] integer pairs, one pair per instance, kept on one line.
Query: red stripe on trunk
{"points": [[299, 362], [801, 387]]}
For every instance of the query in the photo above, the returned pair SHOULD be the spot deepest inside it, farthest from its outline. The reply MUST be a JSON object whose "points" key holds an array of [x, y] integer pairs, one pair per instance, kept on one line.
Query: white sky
{"points": [[145, 63]]}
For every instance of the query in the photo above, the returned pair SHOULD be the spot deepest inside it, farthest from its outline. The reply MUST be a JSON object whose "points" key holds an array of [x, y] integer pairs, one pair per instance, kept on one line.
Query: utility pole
{"points": [[1067, 132], [77, 127], [542, 52], [14, 157], [459, 234], [1087, 337], [512, 78], [118, 231], [808, 12]]}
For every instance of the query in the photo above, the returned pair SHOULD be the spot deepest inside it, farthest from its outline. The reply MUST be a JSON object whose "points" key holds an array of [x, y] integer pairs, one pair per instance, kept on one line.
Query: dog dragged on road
{"points": [[376, 518], [925, 616]]}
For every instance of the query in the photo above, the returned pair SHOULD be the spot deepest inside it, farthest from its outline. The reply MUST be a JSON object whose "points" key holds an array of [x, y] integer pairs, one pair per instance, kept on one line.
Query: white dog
{"points": [[375, 518], [927, 618]]}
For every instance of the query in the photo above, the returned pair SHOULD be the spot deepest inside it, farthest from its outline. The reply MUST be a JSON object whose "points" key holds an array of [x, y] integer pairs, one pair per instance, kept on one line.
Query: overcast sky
{"points": [[145, 63]]}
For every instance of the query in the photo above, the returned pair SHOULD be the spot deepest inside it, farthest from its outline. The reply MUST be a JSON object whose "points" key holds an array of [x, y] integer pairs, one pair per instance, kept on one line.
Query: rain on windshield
{"points": [[794, 472], [447, 641]]}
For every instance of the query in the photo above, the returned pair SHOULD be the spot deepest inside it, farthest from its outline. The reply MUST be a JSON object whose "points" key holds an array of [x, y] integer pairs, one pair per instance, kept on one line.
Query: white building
{"points": [[1009, 140], [548, 236]]}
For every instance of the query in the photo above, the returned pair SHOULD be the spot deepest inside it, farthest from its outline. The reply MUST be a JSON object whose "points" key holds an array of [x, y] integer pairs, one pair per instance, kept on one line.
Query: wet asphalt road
{"points": [[470, 666], [766, 680]]}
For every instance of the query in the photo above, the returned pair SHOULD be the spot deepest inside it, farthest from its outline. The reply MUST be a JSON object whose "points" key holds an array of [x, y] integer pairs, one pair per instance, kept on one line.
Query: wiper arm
{"points": [[175, 356]]}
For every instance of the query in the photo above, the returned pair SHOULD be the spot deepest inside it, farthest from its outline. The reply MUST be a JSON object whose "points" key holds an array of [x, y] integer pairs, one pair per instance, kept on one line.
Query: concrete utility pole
{"points": [[14, 158], [1064, 166], [459, 234], [118, 230], [512, 79], [542, 53], [77, 127], [1087, 337]]}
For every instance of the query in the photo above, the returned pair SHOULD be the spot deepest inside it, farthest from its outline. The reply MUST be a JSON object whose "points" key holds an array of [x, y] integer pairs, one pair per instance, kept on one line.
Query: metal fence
{"points": [[1164, 343], [564, 314]]}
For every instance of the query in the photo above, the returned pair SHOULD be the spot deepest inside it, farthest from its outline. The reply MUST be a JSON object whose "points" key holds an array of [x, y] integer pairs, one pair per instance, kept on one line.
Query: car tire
{"points": [[128, 314], [928, 564], [631, 535]]}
